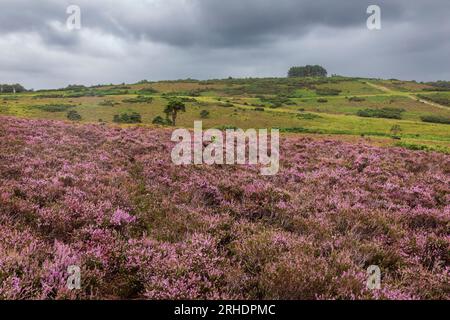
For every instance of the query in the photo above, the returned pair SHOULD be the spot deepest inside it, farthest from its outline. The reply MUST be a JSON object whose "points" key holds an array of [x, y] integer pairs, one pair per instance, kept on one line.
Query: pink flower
{"points": [[121, 217]]}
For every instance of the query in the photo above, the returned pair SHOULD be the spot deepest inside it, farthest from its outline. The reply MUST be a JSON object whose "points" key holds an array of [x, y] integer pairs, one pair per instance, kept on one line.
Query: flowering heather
{"points": [[110, 201]]}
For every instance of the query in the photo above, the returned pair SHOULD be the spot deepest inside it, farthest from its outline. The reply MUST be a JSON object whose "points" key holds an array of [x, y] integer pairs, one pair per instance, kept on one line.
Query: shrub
{"points": [[161, 121], [108, 103], [226, 105], [148, 91], [436, 119], [387, 113], [139, 99], [204, 114], [73, 115], [54, 107], [133, 117], [277, 101], [322, 100], [327, 92], [49, 96], [308, 116], [395, 131], [259, 109], [356, 99]]}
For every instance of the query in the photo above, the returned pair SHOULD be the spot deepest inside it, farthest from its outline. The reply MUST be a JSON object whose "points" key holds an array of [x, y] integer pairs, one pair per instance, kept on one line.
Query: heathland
{"points": [[86, 179], [391, 112]]}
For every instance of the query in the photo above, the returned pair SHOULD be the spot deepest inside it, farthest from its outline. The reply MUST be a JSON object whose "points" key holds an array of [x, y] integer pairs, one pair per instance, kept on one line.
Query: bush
{"points": [[259, 109], [277, 101], [139, 99], [322, 100], [108, 103], [73, 115], [204, 114], [226, 105], [387, 113], [148, 91], [436, 119], [308, 116], [161, 121], [49, 96], [328, 92], [54, 107], [134, 117], [356, 99]]}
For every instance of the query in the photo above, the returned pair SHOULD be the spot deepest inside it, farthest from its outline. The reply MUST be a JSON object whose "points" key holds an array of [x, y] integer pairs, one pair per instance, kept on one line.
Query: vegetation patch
{"points": [[148, 91], [308, 116], [139, 99], [328, 92], [277, 101], [73, 115], [387, 113], [53, 107], [356, 99], [133, 117], [436, 119], [436, 98]]}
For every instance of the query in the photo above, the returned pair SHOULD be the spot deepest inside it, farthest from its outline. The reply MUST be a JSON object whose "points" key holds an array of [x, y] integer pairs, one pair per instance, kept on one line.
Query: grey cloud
{"points": [[162, 39]]}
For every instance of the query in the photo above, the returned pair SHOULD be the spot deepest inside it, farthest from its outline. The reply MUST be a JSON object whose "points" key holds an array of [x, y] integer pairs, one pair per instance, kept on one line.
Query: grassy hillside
{"points": [[303, 105]]}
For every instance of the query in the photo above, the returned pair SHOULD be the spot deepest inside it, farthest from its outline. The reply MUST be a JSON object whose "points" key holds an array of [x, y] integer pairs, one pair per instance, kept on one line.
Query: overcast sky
{"points": [[127, 41]]}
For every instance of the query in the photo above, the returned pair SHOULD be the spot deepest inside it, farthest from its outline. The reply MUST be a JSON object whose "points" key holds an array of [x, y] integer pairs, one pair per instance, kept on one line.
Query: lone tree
{"points": [[172, 109], [307, 71]]}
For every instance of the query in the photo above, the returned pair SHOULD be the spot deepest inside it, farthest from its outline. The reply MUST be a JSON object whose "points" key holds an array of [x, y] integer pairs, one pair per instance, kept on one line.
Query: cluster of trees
{"points": [[11, 88], [307, 71]]}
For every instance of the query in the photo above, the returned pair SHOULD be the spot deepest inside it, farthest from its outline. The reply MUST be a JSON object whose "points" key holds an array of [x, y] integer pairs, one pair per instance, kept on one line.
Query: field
{"points": [[293, 105], [110, 200], [364, 180]]}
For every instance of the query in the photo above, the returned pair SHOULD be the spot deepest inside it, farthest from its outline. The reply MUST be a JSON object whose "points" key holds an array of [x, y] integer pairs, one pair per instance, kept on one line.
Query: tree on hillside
{"points": [[11, 88], [172, 109], [307, 71]]}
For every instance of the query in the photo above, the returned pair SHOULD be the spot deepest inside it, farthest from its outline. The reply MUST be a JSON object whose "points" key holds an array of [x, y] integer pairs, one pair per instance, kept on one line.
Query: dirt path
{"points": [[407, 94]]}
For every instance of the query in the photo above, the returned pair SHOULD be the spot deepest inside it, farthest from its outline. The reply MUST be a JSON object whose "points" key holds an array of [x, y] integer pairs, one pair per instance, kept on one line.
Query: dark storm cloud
{"points": [[132, 40]]}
